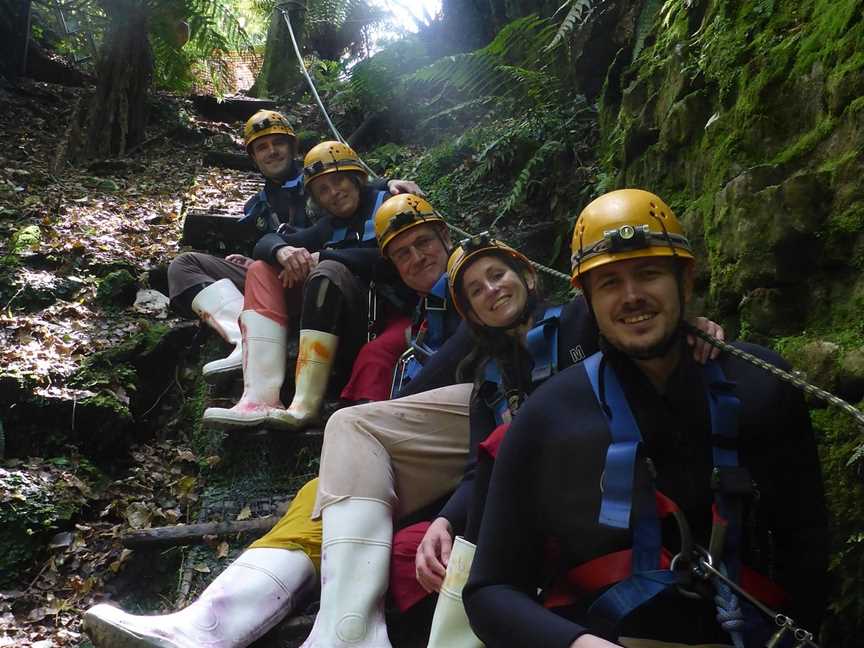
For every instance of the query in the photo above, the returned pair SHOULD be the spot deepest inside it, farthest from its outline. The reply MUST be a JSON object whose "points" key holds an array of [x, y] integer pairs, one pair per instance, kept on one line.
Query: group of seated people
{"points": [[579, 466]]}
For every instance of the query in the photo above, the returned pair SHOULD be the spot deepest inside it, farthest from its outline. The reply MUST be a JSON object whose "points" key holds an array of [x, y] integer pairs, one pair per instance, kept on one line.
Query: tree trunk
{"points": [[281, 73], [15, 34], [118, 111]]}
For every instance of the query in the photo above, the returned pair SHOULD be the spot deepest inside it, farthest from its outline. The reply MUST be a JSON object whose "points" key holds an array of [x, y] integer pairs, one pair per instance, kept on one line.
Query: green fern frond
{"points": [[512, 65], [578, 13], [526, 176]]}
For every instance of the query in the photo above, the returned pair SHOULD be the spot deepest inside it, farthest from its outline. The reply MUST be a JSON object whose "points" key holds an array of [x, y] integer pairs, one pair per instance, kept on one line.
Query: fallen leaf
{"points": [[245, 514]]}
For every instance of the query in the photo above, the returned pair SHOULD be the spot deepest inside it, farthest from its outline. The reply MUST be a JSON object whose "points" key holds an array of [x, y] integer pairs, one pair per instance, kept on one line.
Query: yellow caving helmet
{"points": [[469, 249], [625, 224], [401, 213], [329, 157], [267, 122]]}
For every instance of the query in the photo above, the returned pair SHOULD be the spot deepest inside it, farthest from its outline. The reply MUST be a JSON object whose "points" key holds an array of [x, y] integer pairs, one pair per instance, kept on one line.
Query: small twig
{"points": [[9, 303], [41, 571], [160, 397]]}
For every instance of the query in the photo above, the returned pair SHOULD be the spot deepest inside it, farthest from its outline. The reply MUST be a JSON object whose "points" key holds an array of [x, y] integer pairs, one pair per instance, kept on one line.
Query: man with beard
{"points": [[606, 455]]}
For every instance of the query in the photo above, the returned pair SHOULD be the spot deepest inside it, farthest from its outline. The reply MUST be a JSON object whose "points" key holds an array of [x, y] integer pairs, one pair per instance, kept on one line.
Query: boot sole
{"points": [[107, 635], [220, 375], [262, 421]]}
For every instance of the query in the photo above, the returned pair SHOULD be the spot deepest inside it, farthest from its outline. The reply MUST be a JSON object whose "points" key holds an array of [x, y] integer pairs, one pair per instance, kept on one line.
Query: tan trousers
{"points": [[630, 642], [406, 452]]}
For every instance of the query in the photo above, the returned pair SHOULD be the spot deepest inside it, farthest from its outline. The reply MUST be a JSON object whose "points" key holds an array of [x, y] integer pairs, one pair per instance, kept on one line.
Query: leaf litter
{"points": [[59, 233]]}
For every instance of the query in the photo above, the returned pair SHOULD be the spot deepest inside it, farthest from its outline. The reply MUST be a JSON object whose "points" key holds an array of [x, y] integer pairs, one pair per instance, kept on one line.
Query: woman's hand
{"points": [[702, 351], [592, 641], [296, 264], [240, 260], [433, 554]]}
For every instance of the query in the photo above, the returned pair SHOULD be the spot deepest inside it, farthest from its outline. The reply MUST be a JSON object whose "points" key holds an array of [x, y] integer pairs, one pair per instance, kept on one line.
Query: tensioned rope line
{"points": [[338, 135], [786, 376]]}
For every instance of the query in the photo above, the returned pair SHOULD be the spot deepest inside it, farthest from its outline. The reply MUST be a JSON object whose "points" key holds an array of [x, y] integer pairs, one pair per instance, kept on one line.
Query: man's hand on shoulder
{"points": [[433, 554], [702, 351], [396, 187]]}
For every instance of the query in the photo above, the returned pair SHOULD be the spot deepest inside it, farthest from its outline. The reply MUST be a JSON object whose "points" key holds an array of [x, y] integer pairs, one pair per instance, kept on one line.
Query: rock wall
{"points": [[748, 117]]}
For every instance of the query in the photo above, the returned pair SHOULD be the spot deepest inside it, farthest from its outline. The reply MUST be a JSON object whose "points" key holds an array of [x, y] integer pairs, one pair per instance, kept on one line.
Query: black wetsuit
{"points": [[545, 492], [577, 339], [358, 255]]}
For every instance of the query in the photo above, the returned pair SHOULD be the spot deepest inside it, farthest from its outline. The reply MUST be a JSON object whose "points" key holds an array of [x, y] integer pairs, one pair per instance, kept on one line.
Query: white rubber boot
{"points": [[251, 596], [450, 627], [219, 306], [264, 357], [314, 362], [355, 569]]}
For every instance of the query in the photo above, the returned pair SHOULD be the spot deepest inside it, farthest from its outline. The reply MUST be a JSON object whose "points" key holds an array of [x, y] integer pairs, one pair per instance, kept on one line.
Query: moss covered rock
{"points": [[117, 289], [35, 500]]}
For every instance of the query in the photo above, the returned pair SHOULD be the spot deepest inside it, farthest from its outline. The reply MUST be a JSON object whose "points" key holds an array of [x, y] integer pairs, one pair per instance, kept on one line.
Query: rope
{"points": [[550, 271], [785, 376], [315, 94], [730, 616]]}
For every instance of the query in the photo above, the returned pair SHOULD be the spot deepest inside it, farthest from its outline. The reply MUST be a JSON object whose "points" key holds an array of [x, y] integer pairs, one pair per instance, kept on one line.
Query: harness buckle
{"points": [[437, 305], [693, 564], [371, 313], [731, 480]]}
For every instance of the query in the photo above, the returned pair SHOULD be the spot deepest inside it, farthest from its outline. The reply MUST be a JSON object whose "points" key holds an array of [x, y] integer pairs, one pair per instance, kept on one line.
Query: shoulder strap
{"points": [[499, 405], [294, 183], [342, 234], [369, 225], [435, 314], [542, 343], [253, 206], [647, 579], [626, 438]]}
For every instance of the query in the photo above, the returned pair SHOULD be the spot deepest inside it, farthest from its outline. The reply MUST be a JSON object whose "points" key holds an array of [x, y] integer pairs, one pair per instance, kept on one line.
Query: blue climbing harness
{"points": [[730, 481], [542, 344], [342, 235], [257, 209], [439, 322]]}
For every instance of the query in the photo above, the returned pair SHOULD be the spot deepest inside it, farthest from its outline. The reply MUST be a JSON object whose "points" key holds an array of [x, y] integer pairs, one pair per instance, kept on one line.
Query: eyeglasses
{"points": [[423, 244]]}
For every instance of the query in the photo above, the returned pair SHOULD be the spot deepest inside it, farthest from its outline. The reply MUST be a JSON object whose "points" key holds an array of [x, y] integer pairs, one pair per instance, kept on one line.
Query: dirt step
{"points": [[230, 109], [226, 160]]}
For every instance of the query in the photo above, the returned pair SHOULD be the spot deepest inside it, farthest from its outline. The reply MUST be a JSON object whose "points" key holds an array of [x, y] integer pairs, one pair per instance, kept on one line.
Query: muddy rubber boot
{"points": [[450, 627], [314, 363], [264, 357], [251, 596], [219, 306], [355, 569]]}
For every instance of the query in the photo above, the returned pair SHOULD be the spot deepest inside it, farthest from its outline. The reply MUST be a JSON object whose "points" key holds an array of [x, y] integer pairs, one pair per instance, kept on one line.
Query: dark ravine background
{"points": [[746, 116]]}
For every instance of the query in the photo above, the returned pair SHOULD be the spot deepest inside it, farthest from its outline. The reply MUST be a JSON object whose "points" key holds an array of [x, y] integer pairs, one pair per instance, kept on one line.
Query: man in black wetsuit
{"points": [[584, 491]]}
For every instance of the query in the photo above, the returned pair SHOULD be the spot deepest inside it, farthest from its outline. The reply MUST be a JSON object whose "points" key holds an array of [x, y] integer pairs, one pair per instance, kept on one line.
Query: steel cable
{"points": [[785, 376]]}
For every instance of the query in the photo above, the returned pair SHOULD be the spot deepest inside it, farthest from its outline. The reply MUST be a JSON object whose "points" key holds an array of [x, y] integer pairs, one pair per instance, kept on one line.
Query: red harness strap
{"points": [[599, 573], [491, 444]]}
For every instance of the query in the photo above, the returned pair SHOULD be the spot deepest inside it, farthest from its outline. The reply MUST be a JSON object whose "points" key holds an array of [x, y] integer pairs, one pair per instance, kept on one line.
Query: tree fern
{"points": [[578, 16], [215, 32]]}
